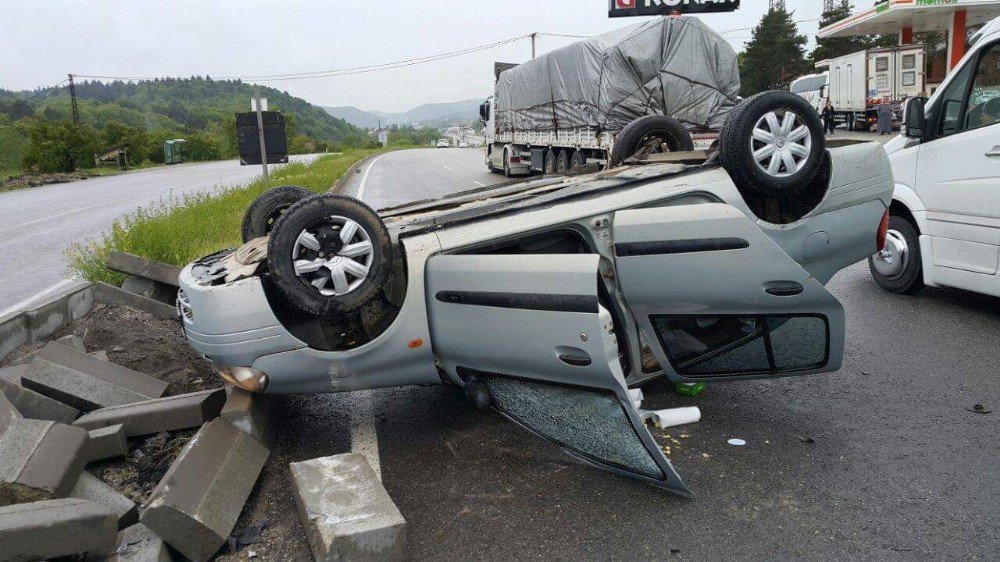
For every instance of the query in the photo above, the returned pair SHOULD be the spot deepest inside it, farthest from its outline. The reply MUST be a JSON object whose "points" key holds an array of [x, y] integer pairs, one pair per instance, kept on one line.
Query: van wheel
{"points": [[897, 268], [650, 134], [330, 254], [550, 161], [562, 162], [772, 144], [266, 209]]}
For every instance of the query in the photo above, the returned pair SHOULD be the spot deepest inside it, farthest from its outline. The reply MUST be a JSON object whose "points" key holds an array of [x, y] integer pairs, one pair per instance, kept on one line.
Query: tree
{"points": [[59, 146], [775, 54], [838, 46]]}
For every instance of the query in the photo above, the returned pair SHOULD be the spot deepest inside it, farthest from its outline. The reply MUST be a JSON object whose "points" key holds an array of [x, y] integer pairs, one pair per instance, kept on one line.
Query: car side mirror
{"points": [[913, 117], [484, 115]]}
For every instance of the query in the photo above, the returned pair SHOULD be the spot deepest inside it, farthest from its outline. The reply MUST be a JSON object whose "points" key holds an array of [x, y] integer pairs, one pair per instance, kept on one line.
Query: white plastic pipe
{"points": [[675, 416]]}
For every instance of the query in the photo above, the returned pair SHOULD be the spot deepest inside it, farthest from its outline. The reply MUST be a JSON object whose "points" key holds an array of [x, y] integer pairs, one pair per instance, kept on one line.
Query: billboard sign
{"points": [[248, 138], [626, 8]]}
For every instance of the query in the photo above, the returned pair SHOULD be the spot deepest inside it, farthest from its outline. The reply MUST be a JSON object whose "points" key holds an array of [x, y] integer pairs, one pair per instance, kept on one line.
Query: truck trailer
{"points": [[860, 81], [656, 86]]}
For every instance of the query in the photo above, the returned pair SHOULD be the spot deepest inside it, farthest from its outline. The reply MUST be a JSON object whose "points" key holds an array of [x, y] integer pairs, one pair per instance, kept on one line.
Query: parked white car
{"points": [[944, 228], [443, 143]]}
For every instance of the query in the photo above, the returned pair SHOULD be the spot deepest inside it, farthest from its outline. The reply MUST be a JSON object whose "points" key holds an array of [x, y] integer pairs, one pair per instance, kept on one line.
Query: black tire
{"points": [[562, 162], [266, 209], [578, 160], [737, 144], [909, 279], [550, 162], [316, 214], [659, 129]]}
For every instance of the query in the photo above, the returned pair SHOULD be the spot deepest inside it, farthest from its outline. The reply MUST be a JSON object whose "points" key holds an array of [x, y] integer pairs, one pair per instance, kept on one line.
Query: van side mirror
{"points": [[913, 117]]}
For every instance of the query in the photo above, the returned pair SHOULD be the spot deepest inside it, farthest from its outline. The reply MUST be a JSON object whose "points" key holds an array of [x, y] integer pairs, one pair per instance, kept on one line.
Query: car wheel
{"points": [[897, 268], [330, 254], [550, 161], [651, 134], [265, 210], [562, 162], [772, 144], [578, 160]]}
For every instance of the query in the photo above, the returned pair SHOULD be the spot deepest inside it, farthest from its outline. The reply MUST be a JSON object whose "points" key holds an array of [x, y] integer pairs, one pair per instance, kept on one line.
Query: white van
{"points": [[944, 228]]}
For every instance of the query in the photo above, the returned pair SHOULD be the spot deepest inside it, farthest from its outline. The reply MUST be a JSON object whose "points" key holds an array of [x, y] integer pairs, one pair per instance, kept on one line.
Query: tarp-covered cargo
{"points": [[673, 66]]}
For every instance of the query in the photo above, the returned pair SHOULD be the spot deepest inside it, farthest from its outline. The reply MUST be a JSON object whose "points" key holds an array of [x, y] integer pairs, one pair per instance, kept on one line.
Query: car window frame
{"points": [[941, 103]]}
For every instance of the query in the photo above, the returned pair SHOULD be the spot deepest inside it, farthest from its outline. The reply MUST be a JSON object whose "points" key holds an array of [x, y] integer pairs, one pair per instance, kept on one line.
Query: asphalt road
{"points": [[882, 460], [38, 224]]}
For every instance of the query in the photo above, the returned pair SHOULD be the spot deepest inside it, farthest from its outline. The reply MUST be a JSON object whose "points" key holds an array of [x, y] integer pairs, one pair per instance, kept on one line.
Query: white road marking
{"points": [[38, 296], [447, 168], [364, 178], [364, 438], [55, 216], [480, 184]]}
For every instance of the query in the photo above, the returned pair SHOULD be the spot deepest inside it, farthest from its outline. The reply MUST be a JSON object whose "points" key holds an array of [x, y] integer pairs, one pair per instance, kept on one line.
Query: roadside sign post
{"points": [[260, 131]]}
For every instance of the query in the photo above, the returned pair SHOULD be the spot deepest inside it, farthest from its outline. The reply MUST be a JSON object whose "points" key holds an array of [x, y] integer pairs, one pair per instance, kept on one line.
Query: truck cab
{"points": [[945, 216]]}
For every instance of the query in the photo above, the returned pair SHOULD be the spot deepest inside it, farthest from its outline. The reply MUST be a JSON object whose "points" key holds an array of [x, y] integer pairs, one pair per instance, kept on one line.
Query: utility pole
{"points": [[829, 5], [72, 97], [260, 133], [777, 5], [533, 37]]}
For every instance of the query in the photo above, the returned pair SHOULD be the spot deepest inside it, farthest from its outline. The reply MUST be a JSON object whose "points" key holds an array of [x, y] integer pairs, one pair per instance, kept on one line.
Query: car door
{"points": [[958, 171], [532, 330], [716, 298]]}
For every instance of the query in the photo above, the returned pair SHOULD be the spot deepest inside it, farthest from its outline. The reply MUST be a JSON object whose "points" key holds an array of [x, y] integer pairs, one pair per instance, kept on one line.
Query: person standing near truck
{"points": [[884, 118], [828, 123]]}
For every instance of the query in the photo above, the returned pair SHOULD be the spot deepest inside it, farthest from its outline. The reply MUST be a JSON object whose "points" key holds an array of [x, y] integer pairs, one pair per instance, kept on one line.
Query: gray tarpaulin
{"points": [[673, 66]]}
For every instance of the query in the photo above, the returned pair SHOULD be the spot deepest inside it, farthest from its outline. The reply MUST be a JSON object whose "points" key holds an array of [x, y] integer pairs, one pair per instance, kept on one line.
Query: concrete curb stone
{"points": [[53, 528], [90, 487], [138, 544], [37, 406], [345, 510], [8, 412], [110, 294], [195, 506], [143, 268], [249, 412], [106, 442], [162, 414], [39, 460]]}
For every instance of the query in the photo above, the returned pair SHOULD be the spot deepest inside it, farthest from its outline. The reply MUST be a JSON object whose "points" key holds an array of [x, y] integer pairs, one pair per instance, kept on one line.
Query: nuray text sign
{"points": [[626, 8]]}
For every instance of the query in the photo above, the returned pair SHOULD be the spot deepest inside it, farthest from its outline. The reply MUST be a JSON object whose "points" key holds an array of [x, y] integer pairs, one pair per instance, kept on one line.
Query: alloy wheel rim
{"points": [[892, 260], [780, 143], [333, 256]]}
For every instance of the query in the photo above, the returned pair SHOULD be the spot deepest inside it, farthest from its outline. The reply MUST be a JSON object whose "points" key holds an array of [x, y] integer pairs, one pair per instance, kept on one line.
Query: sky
{"points": [[42, 41]]}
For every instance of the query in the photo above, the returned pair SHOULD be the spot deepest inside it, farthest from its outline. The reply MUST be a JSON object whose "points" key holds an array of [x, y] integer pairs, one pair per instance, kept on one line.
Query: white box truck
{"points": [[860, 81]]}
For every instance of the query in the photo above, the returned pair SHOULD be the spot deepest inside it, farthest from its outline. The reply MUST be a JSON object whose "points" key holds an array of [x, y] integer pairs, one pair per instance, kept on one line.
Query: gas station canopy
{"points": [[919, 15]]}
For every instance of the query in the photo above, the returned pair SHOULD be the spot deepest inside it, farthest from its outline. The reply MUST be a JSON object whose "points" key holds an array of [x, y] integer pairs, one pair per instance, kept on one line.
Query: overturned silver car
{"points": [[547, 299]]}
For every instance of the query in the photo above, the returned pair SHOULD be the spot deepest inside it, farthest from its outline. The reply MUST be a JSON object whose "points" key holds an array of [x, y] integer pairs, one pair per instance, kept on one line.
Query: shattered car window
{"points": [[589, 422]]}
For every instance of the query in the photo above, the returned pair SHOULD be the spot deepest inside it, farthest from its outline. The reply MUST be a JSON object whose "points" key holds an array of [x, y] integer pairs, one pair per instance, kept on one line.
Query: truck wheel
{"points": [[562, 162], [330, 254], [265, 210], [550, 161], [506, 163], [578, 160], [649, 135], [772, 144], [897, 267]]}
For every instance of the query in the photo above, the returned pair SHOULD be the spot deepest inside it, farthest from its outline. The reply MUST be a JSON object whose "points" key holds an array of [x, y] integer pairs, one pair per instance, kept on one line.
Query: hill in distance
{"points": [[428, 114]]}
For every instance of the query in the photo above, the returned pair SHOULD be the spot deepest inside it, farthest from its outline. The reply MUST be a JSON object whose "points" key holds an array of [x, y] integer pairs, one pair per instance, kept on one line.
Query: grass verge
{"points": [[181, 229]]}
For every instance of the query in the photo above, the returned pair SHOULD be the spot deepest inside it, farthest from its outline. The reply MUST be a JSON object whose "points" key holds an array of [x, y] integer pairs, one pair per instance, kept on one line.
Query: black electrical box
{"points": [[275, 139]]}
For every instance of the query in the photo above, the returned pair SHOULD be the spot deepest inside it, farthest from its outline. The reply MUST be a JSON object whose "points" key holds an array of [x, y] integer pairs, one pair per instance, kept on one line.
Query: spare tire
{"points": [[650, 134], [265, 210], [772, 144], [330, 255]]}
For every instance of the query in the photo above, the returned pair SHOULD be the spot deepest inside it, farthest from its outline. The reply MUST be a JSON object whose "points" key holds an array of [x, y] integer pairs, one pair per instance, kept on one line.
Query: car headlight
{"points": [[247, 378]]}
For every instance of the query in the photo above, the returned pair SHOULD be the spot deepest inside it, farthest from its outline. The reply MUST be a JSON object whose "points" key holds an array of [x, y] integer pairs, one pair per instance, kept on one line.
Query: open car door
{"points": [[532, 330], [716, 298]]}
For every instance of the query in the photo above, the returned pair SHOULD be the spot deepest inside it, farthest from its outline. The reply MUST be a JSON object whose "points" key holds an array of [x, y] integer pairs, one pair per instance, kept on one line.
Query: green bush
{"points": [[59, 146], [183, 229]]}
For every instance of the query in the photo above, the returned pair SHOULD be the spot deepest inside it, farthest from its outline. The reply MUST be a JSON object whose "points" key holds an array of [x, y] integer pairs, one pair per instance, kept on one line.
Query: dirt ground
{"points": [[36, 180]]}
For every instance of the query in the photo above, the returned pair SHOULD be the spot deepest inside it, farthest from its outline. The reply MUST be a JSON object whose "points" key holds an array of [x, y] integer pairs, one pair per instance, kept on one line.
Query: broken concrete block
{"points": [[85, 382], [28, 357], [106, 442], [13, 332], [100, 354], [150, 289], [36, 406], [90, 487], [79, 304], [8, 413], [249, 412], [39, 460], [162, 414], [138, 544], [12, 373], [138, 266], [345, 510], [196, 504], [75, 342], [110, 294], [54, 528]]}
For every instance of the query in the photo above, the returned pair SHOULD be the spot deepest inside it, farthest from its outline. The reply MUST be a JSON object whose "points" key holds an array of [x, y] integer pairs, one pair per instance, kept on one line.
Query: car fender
{"points": [[907, 197]]}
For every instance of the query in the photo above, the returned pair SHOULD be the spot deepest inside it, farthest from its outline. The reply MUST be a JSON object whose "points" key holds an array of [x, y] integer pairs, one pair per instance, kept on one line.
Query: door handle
{"points": [[783, 288], [995, 151]]}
